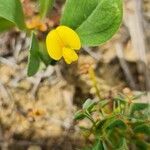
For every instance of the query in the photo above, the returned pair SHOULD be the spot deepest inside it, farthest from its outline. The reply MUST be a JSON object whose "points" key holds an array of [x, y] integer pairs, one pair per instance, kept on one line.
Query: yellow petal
{"points": [[69, 55], [69, 37], [54, 45]]}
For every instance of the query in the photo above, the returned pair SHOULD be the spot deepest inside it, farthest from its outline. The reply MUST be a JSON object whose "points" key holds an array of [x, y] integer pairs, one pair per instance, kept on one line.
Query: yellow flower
{"points": [[62, 42]]}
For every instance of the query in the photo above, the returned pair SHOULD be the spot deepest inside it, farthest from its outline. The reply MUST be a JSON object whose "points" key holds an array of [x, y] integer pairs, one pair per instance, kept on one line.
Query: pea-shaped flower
{"points": [[62, 42]]}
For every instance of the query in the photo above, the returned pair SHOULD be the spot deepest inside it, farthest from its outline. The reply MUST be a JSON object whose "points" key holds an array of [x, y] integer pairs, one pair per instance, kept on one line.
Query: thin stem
{"points": [[90, 118], [93, 79]]}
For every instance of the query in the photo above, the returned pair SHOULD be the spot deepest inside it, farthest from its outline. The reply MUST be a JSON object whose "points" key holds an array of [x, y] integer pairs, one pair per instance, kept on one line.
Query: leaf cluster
{"points": [[126, 125]]}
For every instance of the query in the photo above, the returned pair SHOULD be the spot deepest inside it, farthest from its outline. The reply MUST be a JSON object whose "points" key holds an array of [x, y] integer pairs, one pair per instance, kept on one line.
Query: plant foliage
{"points": [[120, 128], [95, 21]]}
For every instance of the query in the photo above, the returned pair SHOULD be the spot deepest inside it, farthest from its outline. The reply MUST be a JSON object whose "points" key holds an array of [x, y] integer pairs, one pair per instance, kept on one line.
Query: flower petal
{"points": [[54, 45], [69, 55], [69, 37]]}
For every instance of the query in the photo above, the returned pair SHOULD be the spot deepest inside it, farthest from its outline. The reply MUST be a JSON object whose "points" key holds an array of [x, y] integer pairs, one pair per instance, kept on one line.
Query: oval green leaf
{"points": [[88, 105], [79, 115], [115, 123], [122, 144], [33, 59], [98, 145], [137, 107], [11, 10], [5, 24], [95, 21], [145, 129]]}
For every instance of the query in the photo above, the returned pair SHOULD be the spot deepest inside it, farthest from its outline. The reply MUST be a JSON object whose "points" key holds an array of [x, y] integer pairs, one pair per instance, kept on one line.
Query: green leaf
{"points": [[34, 59], [122, 145], [145, 129], [76, 12], [43, 54], [138, 107], [142, 145], [98, 145], [115, 123], [120, 99], [105, 146], [5, 24], [79, 115], [11, 10], [45, 6], [137, 123], [89, 104], [103, 103], [95, 21], [99, 126]]}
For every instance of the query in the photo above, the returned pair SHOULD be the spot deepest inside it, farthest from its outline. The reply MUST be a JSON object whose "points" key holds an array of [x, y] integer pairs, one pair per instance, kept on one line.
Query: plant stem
{"points": [[93, 78]]}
